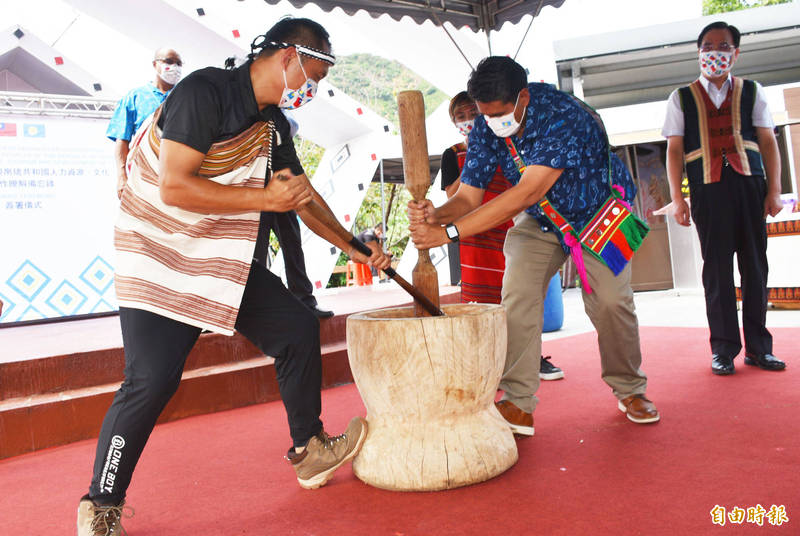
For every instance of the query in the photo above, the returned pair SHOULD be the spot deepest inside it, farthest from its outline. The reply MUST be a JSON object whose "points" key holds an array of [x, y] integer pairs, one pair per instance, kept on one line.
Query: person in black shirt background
{"points": [[287, 231]]}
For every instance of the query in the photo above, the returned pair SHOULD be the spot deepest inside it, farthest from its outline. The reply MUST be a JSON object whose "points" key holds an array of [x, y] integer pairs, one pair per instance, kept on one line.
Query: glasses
{"points": [[722, 47], [170, 61]]}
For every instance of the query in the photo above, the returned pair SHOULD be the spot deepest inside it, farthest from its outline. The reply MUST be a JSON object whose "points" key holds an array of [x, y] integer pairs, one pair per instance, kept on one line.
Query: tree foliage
{"points": [[375, 82], [711, 7]]}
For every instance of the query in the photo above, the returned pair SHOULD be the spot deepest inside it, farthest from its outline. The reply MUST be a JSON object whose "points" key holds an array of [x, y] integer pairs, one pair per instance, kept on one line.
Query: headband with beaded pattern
{"points": [[261, 42]]}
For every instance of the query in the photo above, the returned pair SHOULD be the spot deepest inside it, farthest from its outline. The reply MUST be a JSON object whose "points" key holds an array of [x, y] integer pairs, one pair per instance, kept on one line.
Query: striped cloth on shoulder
{"points": [[184, 265]]}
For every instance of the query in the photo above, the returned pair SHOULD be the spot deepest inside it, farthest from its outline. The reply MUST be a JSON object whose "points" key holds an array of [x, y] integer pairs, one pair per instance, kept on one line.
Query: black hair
{"points": [[720, 25], [461, 98], [291, 31], [497, 78]]}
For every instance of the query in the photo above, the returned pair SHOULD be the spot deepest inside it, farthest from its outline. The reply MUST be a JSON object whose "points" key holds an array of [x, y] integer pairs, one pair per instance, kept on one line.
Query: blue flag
{"points": [[33, 130]]}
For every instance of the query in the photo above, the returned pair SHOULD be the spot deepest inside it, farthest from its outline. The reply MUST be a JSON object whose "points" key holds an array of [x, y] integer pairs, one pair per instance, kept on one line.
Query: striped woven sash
{"points": [[184, 265]]}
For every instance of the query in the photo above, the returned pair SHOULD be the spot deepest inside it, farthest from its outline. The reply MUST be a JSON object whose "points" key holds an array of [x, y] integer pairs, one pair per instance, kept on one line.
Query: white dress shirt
{"points": [[673, 123]]}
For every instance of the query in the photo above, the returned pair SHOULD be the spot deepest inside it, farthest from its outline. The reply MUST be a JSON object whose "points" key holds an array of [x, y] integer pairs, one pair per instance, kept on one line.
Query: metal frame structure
{"points": [[40, 104]]}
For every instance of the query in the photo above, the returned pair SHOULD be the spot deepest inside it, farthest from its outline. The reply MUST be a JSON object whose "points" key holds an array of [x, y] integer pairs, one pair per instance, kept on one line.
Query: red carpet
{"points": [[731, 441]]}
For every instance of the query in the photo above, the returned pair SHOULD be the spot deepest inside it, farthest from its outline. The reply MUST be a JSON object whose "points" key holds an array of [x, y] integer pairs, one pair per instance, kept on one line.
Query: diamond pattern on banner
{"points": [[98, 275], [31, 313], [28, 280], [8, 306], [66, 299], [102, 307]]}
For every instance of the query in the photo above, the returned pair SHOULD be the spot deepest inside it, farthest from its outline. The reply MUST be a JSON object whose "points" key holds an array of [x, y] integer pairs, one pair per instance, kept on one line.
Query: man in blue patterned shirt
{"points": [[566, 157], [138, 104]]}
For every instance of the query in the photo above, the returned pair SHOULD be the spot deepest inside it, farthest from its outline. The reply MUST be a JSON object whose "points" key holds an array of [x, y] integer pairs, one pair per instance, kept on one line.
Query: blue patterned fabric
{"points": [[559, 134], [132, 110]]}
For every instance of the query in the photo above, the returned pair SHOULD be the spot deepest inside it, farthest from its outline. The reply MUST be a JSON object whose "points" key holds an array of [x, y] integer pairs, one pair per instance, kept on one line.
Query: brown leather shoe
{"points": [[639, 409], [519, 421]]}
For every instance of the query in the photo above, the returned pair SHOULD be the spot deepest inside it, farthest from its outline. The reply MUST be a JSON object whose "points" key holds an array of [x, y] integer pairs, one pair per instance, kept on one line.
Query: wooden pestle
{"points": [[417, 175]]}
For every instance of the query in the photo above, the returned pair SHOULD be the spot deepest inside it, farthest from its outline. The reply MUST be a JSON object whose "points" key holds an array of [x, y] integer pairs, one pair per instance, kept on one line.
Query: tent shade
{"points": [[477, 14], [646, 64]]}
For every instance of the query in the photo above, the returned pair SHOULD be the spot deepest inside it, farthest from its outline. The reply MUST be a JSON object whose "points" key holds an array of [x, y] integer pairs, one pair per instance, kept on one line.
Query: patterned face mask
{"points": [[714, 63], [295, 98], [465, 127]]}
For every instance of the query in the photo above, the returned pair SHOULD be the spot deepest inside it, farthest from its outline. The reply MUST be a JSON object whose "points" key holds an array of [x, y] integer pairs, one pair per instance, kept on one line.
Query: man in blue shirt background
{"points": [[566, 157], [138, 104]]}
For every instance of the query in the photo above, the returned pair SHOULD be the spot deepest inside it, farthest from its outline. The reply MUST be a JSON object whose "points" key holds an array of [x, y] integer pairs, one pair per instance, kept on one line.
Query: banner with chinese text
{"points": [[58, 205]]}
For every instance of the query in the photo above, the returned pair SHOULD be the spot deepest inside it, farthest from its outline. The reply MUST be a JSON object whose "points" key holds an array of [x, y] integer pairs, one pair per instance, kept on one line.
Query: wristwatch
{"points": [[452, 232]]}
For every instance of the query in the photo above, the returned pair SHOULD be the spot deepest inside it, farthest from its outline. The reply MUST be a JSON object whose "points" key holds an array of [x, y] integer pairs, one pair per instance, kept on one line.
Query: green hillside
{"points": [[376, 81]]}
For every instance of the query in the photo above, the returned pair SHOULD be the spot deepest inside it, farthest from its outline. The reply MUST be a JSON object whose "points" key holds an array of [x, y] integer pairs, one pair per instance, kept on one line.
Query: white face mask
{"points": [[295, 98], [504, 125], [170, 73], [465, 127], [714, 63]]}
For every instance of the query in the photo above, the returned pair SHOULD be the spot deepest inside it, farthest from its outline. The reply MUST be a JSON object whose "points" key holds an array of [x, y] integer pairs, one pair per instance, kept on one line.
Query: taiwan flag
{"points": [[33, 131], [8, 129]]}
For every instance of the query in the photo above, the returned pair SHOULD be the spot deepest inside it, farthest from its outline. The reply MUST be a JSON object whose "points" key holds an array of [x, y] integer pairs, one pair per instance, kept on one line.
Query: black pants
{"points": [[155, 353], [287, 230], [729, 216]]}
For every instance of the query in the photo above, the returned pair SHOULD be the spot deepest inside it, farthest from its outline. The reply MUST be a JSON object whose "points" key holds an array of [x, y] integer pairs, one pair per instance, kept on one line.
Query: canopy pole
{"points": [[489, 41], [383, 212], [533, 16], [439, 22], [523, 39]]}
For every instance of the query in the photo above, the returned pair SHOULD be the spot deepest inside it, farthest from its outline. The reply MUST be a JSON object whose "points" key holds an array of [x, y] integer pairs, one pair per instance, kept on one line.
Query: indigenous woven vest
{"points": [[184, 265], [710, 133]]}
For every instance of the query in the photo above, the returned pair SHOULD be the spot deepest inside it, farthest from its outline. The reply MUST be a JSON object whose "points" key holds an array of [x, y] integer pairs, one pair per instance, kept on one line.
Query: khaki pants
{"points": [[532, 259]]}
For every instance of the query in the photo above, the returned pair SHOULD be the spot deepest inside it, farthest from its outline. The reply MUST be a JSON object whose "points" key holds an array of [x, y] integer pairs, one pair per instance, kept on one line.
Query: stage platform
{"points": [[57, 379]]}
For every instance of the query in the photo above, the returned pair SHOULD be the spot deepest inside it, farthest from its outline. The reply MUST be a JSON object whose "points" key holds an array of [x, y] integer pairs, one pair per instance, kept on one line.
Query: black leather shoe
{"points": [[319, 313], [764, 361], [722, 365]]}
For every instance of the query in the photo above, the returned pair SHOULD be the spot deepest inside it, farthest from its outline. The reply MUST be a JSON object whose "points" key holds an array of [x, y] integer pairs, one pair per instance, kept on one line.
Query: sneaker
{"points": [[548, 371], [324, 454], [96, 520], [519, 421], [639, 409]]}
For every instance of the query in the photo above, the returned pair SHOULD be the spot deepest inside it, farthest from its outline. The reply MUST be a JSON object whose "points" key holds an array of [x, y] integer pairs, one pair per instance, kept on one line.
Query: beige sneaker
{"points": [[101, 520], [324, 454]]}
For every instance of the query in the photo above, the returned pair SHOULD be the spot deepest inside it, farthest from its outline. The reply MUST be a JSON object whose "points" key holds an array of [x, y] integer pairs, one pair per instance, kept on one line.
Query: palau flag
{"points": [[8, 129], [33, 130]]}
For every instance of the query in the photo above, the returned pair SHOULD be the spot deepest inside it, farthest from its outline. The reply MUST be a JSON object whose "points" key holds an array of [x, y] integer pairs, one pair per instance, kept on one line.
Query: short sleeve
{"points": [[283, 153], [191, 114], [481, 160], [122, 123], [449, 167], [761, 114], [673, 120]]}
